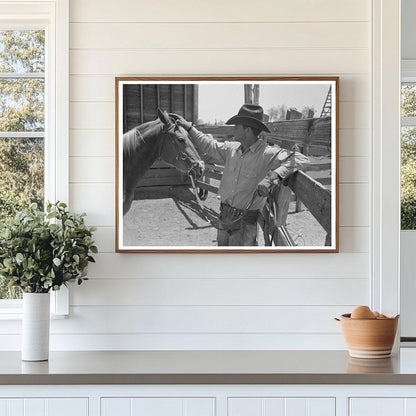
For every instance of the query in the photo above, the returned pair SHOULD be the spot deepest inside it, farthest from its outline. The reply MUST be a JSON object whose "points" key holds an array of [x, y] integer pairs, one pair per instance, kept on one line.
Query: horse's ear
{"points": [[163, 116]]}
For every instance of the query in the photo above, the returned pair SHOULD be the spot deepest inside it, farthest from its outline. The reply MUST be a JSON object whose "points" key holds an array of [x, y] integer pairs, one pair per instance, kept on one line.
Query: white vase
{"points": [[35, 326]]}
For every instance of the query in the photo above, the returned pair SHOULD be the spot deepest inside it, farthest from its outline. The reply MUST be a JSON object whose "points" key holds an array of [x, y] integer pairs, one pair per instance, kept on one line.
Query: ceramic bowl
{"points": [[369, 338]]}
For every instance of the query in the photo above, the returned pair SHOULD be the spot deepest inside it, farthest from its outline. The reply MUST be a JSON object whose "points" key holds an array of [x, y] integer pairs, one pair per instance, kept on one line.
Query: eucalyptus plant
{"points": [[42, 251]]}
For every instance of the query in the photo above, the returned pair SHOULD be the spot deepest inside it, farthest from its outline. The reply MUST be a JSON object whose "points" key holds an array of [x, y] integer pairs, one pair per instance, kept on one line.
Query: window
{"points": [[33, 110], [22, 124], [408, 154]]}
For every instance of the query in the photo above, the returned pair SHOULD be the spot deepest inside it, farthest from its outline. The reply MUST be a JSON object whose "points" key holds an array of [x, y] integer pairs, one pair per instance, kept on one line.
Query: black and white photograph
{"points": [[227, 164]]}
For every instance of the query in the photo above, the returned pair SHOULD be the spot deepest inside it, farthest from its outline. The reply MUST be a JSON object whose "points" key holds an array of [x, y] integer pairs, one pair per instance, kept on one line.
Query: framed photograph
{"points": [[235, 164]]}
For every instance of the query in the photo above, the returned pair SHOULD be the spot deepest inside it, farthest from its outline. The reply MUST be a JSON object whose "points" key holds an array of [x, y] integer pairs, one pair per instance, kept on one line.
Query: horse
{"points": [[160, 138]]}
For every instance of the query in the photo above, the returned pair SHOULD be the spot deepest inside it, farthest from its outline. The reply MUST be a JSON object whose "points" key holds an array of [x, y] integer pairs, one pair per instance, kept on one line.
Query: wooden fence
{"points": [[315, 197]]}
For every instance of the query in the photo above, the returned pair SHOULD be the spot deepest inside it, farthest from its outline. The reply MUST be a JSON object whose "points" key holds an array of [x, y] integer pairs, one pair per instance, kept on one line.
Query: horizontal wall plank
{"points": [[148, 342], [352, 115], [354, 170], [99, 88], [94, 143], [221, 35], [194, 320], [92, 115], [352, 239], [259, 265], [220, 291], [217, 11], [231, 61], [92, 169], [354, 142], [354, 205], [92, 88], [105, 239], [96, 199], [200, 319], [354, 88]]}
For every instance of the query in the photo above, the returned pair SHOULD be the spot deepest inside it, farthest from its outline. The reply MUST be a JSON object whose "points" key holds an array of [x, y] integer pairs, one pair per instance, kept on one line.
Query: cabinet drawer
{"points": [[281, 406], [160, 406], [44, 407], [377, 406]]}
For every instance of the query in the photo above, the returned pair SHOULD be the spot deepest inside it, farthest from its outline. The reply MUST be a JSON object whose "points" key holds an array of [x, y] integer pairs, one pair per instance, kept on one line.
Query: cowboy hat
{"points": [[250, 115]]}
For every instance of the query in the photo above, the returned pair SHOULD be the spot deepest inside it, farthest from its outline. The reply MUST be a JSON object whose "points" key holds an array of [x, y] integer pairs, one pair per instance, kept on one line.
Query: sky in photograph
{"points": [[222, 101]]}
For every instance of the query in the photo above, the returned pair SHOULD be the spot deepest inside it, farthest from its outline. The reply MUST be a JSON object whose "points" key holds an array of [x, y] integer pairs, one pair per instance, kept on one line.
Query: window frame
{"points": [[53, 17]]}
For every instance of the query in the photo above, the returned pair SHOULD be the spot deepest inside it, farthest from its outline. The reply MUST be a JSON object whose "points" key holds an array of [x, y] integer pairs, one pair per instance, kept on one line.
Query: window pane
{"points": [[22, 51], [21, 173], [21, 182], [408, 99], [408, 178], [22, 105]]}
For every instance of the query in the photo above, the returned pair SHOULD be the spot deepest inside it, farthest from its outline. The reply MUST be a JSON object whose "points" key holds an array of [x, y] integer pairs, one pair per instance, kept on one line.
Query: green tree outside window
{"points": [[408, 160], [22, 125]]}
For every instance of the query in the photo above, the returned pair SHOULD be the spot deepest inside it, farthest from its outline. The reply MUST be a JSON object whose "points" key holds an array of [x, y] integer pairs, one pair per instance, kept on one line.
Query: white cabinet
{"points": [[382, 406], [208, 400], [271, 406], [160, 406], [44, 407]]}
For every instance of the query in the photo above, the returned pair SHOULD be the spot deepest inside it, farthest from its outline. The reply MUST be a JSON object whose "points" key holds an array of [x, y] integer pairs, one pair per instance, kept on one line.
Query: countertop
{"points": [[207, 367]]}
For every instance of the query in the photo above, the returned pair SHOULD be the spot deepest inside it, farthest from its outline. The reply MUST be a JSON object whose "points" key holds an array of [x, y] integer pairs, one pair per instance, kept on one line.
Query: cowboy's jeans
{"points": [[244, 236]]}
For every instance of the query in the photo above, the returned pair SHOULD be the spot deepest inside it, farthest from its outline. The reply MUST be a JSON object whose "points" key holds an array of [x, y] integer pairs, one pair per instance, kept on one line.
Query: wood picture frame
{"points": [[164, 213]]}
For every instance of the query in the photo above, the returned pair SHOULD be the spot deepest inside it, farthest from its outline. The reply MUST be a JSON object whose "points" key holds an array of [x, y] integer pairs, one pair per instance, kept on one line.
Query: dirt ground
{"points": [[171, 216]]}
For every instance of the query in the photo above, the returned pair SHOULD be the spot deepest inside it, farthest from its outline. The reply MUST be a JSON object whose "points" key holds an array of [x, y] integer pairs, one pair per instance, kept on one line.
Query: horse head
{"points": [[177, 148]]}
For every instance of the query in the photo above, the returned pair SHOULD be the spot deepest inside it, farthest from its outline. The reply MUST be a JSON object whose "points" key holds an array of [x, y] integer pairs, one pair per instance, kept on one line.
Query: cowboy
{"points": [[251, 167]]}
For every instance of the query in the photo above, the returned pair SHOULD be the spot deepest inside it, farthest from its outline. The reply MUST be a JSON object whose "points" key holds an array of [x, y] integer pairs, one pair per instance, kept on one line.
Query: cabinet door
{"points": [[271, 406], [376, 406], [160, 406], [44, 407]]}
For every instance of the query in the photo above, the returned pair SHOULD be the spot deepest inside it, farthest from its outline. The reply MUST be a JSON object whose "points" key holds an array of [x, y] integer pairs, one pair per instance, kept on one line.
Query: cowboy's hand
{"points": [[180, 121], [263, 188]]}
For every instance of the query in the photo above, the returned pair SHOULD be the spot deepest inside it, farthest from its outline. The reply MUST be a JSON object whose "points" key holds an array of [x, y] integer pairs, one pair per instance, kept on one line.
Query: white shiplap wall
{"points": [[181, 301]]}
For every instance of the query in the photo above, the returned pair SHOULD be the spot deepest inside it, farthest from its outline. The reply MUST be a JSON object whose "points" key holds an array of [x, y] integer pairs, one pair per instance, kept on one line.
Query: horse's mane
{"points": [[135, 137]]}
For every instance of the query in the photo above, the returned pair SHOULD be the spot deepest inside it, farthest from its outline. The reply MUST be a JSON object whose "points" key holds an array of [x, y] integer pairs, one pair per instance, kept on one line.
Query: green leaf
{"points": [[36, 255], [7, 262]]}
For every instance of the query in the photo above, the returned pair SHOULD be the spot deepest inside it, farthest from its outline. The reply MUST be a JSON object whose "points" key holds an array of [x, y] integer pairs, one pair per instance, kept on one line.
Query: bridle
{"points": [[169, 130], [181, 155]]}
